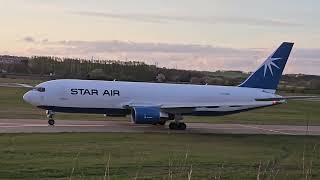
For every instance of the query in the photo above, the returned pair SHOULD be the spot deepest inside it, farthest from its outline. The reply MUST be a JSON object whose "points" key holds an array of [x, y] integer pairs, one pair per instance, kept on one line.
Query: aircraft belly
{"points": [[226, 110]]}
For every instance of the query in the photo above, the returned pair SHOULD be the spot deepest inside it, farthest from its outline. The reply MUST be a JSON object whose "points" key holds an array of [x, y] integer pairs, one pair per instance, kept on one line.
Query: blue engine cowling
{"points": [[145, 115]]}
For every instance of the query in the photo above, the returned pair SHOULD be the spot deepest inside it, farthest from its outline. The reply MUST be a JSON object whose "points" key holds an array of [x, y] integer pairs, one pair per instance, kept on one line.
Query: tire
{"points": [[182, 126], [51, 122], [173, 126]]}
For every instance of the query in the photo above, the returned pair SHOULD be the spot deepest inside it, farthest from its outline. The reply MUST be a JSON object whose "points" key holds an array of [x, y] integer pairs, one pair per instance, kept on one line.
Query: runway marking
{"points": [[9, 126], [299, 130], [45, 125], [79, 125], [7, 123], [270, 130]]}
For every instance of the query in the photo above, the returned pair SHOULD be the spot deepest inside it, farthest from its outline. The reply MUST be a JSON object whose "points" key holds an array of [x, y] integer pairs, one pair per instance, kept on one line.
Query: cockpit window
{"points": [[40, 89]]}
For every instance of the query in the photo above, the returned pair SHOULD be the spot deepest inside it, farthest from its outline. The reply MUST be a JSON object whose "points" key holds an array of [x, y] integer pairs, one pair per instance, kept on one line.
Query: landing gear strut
{"points": [[177, 125], [161, 123], [50, 115]]}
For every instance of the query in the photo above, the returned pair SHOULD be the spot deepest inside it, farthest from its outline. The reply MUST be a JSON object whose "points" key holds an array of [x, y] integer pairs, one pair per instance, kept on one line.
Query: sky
{"points": [[185, 34]]}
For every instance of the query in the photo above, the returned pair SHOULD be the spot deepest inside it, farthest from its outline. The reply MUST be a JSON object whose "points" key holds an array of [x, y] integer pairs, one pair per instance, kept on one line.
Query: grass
{"points": [[160, 156], [157, 156], [293, 112], [12, 106], [20, 80]]}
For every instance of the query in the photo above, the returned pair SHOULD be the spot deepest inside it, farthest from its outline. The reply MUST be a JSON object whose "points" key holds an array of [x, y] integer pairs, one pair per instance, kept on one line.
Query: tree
{"points": [[195, 80], [97, 74], [315, 84], [161, 77]]}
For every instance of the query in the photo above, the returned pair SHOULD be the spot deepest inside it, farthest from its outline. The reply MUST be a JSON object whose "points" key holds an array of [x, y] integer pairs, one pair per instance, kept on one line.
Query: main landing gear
{"points": [[177, 125], [50, 115], [161, 123]]}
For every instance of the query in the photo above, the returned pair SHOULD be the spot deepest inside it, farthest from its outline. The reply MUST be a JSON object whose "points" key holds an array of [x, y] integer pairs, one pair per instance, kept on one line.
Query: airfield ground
{"points": [[63, 126], [157, 156], [153, 155]]}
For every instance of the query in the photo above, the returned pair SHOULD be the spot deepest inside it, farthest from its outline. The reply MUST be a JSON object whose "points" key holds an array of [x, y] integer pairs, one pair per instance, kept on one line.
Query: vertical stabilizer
{"points": [[269, 73]]}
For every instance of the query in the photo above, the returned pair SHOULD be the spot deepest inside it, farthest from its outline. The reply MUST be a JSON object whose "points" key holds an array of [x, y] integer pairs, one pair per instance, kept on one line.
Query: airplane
{"points": [[157, 103]]}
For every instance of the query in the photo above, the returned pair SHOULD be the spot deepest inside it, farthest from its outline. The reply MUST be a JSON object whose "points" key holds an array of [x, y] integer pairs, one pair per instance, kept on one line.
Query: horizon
{"points": [[128, 60], [200, 35]]}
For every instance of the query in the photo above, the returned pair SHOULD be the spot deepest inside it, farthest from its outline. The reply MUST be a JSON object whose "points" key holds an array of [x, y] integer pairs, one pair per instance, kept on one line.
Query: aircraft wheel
{"points": [[51, 122], [182, 126], [177, 126], [173, 126]]}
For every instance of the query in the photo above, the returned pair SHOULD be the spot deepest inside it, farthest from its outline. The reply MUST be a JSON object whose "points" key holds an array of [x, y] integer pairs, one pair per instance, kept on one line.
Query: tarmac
{"points": [[76, 126]]}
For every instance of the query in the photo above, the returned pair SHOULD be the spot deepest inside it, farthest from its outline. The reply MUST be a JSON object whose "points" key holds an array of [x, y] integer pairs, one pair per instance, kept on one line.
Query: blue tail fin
{"points": [[269, 73]]}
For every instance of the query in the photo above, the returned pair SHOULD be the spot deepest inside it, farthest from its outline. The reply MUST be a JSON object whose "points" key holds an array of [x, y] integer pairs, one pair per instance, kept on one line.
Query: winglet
{"points": [[269, 73]]}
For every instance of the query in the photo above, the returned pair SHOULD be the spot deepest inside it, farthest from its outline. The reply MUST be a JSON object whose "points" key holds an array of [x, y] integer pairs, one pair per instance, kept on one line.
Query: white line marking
{"points": [[79, 125], [270, 130], [7, 123], [10, 126], [299, 130], [45, 125]]}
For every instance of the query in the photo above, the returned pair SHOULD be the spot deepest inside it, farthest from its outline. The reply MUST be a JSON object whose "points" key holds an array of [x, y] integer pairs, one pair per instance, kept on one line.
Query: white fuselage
{"points": [[182, 98]]}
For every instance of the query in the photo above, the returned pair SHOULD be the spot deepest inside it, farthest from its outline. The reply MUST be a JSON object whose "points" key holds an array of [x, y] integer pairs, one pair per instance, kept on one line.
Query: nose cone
{"points": [[32, 98], [26, 96]]}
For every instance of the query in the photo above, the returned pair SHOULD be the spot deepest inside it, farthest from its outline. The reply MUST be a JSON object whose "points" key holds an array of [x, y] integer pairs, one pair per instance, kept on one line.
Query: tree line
{"points": [[73, 68]]}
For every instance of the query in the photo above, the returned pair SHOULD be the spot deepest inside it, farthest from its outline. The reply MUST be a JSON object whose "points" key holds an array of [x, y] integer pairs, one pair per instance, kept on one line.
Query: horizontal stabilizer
{"points": [[289, 98]]}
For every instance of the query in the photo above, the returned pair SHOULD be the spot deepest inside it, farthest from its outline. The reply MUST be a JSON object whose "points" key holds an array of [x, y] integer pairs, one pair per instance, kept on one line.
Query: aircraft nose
{"points": [[26, 96], [31, 98]]}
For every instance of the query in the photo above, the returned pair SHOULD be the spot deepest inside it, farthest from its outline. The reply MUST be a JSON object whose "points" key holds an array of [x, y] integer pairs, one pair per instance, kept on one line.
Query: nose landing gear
{"points": [[50, 115], [51, 122]]}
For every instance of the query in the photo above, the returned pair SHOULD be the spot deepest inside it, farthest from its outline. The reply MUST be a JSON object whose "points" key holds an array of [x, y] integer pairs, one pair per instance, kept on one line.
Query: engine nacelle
{"points": [[145, 115]]}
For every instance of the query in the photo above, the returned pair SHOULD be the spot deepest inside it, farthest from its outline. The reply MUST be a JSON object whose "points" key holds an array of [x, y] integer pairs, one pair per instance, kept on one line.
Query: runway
{"points": [[41, 126]]}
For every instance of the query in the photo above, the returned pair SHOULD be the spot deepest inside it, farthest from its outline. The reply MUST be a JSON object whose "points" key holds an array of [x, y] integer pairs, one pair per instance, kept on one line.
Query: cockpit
{"points": [[39, 89]]}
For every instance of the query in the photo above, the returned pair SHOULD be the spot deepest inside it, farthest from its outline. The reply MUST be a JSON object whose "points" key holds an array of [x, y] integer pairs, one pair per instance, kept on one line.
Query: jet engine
{"points": [[146, 115]]}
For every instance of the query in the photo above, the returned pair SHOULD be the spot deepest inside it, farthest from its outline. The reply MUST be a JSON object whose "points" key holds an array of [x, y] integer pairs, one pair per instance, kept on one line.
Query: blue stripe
{"points": [[108, 111], [123, 112]]}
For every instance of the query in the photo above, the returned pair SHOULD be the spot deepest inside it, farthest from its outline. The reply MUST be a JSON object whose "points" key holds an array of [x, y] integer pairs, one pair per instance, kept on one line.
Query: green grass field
{"points": [[157, 156], [12, 106], [160, 156]]}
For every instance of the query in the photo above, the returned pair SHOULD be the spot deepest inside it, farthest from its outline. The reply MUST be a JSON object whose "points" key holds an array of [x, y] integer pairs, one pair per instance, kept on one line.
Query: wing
{"points": [[189, 107]]}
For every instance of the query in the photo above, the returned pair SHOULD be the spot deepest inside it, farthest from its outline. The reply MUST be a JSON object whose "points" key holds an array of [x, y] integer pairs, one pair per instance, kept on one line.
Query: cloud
{"points": [[154, 18], [119, 46], [304, 53], [28, 39], [182, 56]]}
